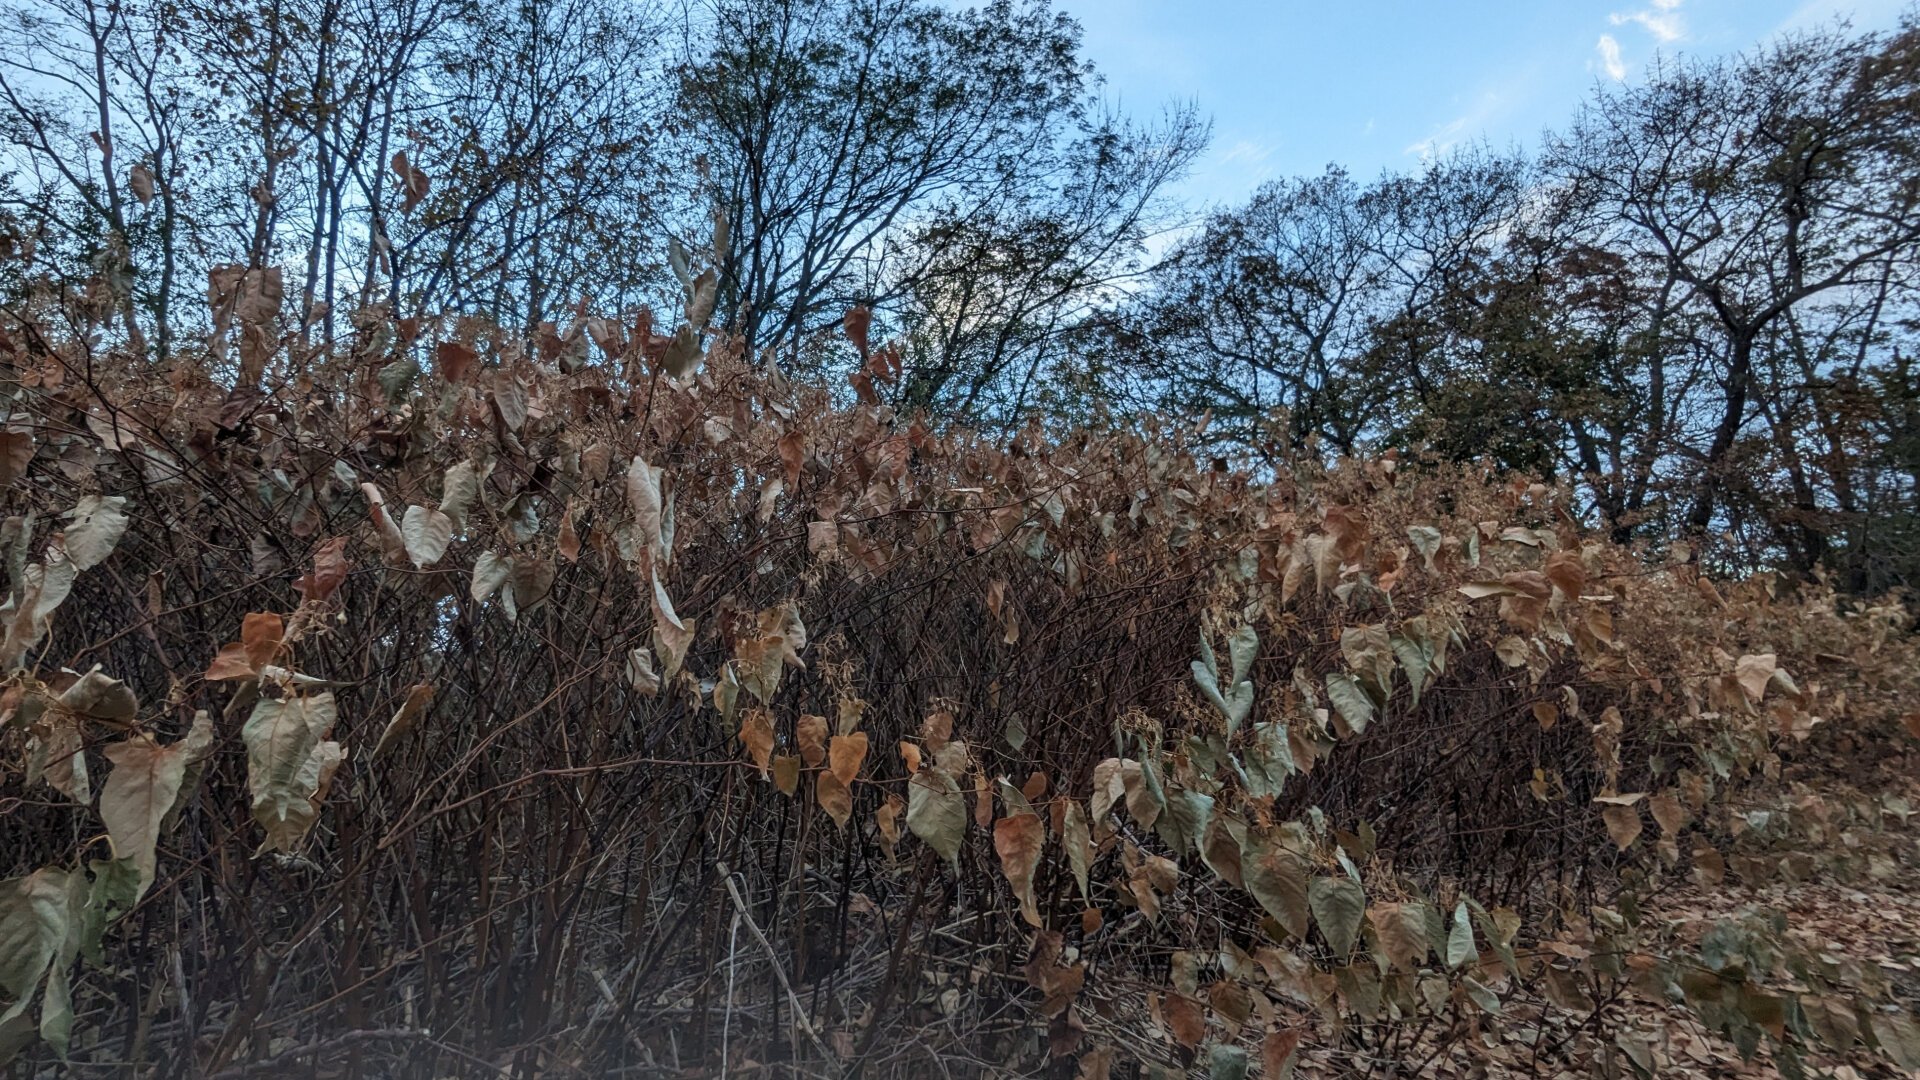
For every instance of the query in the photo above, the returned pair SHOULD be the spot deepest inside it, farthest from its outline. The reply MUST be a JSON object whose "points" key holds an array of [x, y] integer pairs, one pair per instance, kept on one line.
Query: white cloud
{"points": [[1247, 152], [1470, 125], [1610, 57], [1663, 20]]}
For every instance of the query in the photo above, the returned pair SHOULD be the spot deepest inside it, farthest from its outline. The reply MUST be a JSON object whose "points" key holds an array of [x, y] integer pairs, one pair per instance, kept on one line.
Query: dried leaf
{"points": [[410, 710], [756, 734], [142, 787], [1623, 824], [811, 734], [426, 534], [835, 798], [1018, 840], [1338, 905], [289, 764], [937, 813], [845, 754], [786, 774], [95, 525]]}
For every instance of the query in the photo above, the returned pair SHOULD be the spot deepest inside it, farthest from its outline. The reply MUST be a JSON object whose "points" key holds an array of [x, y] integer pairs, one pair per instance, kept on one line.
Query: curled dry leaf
{"points": [[328, 574], [94, 527], [411, 709], [835, 798], [290, 762], [937, 812], [1018, 840], [756, 734]]}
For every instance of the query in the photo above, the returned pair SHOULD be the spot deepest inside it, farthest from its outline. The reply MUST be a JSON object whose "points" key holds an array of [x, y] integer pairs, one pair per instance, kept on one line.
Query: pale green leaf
{"points": [[937, 813], [1338, 904]]}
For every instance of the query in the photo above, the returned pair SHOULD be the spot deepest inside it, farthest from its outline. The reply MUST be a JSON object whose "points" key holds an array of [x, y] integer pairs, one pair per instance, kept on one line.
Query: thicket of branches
{"points": [[615, 711]]}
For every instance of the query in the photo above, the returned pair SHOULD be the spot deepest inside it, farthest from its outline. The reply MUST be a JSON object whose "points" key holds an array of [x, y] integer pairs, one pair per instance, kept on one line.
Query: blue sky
{"points": [[1293, 85]]}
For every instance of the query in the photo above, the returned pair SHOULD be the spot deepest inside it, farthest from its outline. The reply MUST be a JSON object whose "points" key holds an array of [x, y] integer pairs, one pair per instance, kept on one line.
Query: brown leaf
{"points": [[16, 451], [1096, 1064], [1276, 1053], [230, 663], [1035, 787], [1018, 840], [415, 704], [937, 729], [910, 754], [786, 774], [1567, 575], [140, 179], [811, 734], [1402, 930], [756, 734], [1623, 824], [982, 801], [887, 820], [260, 635], [454, 360], [845, 754], [1185, 1017], [329, 571], [834, 798], [855, 324], [413, 182], [793, 452], [1668, 812]]}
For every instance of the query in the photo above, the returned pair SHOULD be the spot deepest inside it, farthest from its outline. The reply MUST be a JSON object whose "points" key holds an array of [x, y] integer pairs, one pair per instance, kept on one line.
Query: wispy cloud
{"points": [[1468, 125], [1246, 152], [1610, 58], [1663, 20]]}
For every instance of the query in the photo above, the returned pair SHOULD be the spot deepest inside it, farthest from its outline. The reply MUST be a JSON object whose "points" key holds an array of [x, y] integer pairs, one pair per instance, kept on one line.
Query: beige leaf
{"points": [[393, 544], [671, 636], [289, 763], [490, 571], [1754, 672], [1077, 838], [937, 812], [643, 498], [458, 488], [96, 524], [145, 780], [640, 671], [426, 533]]}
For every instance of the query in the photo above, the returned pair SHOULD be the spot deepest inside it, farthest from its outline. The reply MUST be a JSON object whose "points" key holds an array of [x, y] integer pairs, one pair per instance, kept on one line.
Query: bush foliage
{"points": [[453, 702]]}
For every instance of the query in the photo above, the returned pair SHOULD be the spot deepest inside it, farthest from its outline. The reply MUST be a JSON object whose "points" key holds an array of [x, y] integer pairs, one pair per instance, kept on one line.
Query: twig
{"points": [[799, 1011]]}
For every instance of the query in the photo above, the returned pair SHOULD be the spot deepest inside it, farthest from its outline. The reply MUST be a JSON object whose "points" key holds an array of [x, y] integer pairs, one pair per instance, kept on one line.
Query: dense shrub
{"points": [[550, 712]]}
